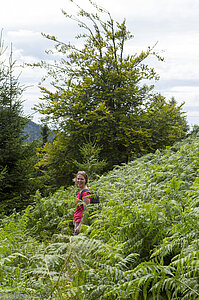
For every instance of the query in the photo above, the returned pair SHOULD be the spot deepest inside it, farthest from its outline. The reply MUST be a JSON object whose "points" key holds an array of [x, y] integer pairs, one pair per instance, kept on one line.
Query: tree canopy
{"points": [[100, 93]]}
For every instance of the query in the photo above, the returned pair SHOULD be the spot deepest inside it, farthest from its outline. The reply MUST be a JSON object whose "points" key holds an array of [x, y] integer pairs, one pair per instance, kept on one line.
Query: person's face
{"points": [[81, 181]]}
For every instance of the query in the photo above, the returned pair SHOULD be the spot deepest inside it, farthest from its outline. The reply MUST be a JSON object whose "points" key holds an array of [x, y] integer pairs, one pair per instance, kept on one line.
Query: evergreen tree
{"points": [[90, 161], [45, 133], [14, 154]]}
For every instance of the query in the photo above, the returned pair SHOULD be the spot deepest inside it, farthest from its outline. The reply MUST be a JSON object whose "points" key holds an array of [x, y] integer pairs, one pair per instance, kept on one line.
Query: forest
{"points": [[140, 242]]}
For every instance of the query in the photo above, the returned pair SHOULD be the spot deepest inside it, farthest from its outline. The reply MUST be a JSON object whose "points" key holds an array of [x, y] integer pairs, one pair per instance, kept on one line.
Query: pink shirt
{"points": [[79, 208]]}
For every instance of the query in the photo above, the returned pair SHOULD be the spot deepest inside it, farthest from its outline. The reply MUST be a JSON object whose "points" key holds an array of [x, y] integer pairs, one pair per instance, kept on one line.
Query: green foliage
{"points": [[164, 124], [90, 160], [2, 173], [51, 214], [45, 133], [55, 163], [15, 156], [100, 94], [15, 254], [143, 214], [141, 244]]}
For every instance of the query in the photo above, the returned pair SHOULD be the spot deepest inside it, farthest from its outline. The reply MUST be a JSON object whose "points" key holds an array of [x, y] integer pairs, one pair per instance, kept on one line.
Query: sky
{"points": [[172, 24]]}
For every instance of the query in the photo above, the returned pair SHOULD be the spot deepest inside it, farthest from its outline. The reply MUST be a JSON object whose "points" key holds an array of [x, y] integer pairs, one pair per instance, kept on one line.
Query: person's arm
{"points": [[86, 200], [86, 197]]}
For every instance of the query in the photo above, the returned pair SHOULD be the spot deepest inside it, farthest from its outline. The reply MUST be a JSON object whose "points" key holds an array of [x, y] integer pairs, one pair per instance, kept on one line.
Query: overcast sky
{"points": [[174, 24]]}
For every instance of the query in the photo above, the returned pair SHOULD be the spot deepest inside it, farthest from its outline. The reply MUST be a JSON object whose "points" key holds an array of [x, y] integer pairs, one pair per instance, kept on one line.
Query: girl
{"points": [[81, 180]]}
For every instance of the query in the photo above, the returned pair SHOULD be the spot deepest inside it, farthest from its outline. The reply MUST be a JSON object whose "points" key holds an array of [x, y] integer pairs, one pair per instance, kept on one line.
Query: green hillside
{"points": [[141, 243]]}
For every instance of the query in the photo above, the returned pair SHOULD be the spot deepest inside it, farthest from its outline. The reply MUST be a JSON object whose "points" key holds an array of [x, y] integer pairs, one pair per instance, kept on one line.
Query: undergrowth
{"points": [[142, 242]]}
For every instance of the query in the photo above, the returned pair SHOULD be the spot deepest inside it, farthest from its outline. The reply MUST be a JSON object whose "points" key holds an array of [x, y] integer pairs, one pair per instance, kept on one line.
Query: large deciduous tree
{"points": [[100, 92]]}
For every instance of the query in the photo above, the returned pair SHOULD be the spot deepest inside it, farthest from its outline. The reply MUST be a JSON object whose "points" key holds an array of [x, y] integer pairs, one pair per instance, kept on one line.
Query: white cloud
{"points": [[23, 12]]}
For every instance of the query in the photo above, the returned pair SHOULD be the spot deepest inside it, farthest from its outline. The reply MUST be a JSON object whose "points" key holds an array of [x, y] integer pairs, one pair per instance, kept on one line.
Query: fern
{"points": [[141, 244]]}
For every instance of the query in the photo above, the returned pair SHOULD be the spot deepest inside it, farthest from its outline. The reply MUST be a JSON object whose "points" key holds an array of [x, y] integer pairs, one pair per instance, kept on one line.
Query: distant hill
{"points": [[33, 132]]}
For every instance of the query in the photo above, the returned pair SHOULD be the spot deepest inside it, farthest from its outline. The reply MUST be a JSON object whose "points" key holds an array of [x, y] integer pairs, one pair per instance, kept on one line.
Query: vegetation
{"points": [[141, 241], [141, 244], [100, 95], [16, 158]]}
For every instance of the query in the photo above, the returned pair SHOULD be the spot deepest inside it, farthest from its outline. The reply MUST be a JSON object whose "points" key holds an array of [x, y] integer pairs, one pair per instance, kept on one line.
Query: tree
{"points": [[164, 124], [58, 165], [98, 91], [55, 163], [90, 160], [16, 157], [45, 133]]}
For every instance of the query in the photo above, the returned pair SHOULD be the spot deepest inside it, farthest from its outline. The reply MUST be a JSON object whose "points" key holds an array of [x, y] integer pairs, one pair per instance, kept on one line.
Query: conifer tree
{"points": [[14, 154], [45, 133]]}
